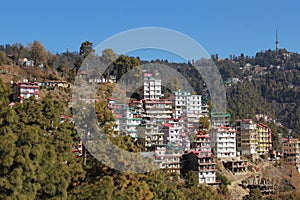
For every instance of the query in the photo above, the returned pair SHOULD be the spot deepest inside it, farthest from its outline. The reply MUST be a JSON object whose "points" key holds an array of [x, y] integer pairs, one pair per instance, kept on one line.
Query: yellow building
{"points": [[264, 139]]}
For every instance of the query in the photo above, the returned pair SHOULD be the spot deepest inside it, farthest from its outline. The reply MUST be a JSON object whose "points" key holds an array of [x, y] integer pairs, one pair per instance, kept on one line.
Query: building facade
{"points": [[24, 90], [290, 148], [223, 140], [200, 159], [264, 139], [246, 137], [152, 87]]}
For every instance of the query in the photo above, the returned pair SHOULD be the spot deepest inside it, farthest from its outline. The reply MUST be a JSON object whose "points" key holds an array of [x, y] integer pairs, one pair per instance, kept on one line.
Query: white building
{"points": [[24, 90], [152, 87], [173, 133], [116, 110], [154, 137], [188, 109], [126, 118], [159, 110], [186, 103], [223, 140], [168, 158]]}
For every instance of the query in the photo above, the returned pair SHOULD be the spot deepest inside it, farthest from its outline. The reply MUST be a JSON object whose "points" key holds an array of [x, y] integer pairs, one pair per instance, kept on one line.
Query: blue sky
{"points": [[223, 27]]}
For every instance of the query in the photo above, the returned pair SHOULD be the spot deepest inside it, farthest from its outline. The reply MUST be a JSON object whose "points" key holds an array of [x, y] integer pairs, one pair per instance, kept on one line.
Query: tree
{"points": [[108, 56], [204, 123], [4, 60], [224, 182], [86, 48], [4, 92], [254, 194], [38, 53], [37, 162]]}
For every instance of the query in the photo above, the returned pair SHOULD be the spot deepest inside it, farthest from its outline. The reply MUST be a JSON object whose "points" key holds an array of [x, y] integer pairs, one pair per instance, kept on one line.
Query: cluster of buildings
{"points": [[26, 89], [170, 129]]}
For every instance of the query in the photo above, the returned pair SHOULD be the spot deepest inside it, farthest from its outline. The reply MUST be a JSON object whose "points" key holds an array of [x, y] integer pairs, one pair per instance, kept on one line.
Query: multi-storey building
{"points": [[264, 138], [168, 157], [126, 118], [153, 138], [290, 148], [188, 104], [223, 140], [129, 121], [253, 138], [116, 109], [152, 87], [219, 119], [76, 147], [173, 133], [24, 90], [159, 110], [137, 105], [180, 103], [200, 159], [188, 109], [246, 137]]}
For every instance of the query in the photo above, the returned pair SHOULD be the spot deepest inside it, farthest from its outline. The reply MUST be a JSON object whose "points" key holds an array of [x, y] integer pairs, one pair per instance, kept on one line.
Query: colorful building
{"points": [[264, 139], [25, 90]]}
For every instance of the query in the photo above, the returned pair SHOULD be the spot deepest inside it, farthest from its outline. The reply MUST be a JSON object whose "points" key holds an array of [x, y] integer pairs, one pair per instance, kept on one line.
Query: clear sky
{"points": [[224, 27]]}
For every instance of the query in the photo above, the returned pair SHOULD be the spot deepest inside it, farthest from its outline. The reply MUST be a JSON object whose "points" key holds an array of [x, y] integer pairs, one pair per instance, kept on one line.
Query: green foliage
{"points": [[191, 179], [108, 56], [38, 53], [124, 64], [204, 124], [224, 182], [86, 48], [4, 60], [4, 93], [254, 194], [103, 113], [37, 162], [244, 101]]}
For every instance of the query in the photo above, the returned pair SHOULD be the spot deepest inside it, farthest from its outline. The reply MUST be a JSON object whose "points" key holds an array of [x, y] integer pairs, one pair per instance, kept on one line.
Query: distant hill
{"points": [[266, 84]]}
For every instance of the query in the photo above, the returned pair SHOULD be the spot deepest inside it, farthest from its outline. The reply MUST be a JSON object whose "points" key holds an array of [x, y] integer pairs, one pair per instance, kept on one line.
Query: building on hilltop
{"points": [[24, 90]]}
